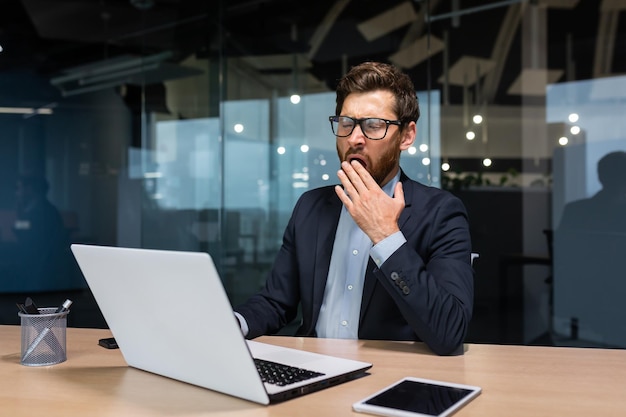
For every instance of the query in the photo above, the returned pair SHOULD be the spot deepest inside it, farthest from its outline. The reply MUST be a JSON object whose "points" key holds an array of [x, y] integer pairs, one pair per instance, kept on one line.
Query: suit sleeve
{"points": [[430, 277]]}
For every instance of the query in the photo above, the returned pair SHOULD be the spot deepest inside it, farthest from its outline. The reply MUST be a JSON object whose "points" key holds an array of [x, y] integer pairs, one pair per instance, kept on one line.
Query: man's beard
{"points": [[385, 163]]}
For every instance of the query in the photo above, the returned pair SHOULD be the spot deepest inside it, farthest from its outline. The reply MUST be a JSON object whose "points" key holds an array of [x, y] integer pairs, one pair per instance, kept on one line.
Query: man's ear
{"points": [[408, 136]]}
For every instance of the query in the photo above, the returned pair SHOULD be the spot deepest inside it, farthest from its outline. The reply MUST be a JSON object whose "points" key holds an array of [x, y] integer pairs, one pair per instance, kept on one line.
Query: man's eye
{"points": [[375, 124]]}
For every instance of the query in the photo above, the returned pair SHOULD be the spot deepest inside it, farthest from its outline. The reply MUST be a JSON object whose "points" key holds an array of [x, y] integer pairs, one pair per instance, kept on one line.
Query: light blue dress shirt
{"points": [[341, 306]]}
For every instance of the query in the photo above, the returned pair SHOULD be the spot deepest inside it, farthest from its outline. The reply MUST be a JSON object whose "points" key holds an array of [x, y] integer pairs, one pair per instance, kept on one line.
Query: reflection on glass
{"points": [[589, 212]]}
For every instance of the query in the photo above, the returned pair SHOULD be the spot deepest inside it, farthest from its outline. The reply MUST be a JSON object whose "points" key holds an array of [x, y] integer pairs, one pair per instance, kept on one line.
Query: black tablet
{"points": [[418, 397]]}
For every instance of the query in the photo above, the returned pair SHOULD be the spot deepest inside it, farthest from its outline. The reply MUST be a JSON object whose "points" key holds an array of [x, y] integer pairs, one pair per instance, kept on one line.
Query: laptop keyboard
{"points": [[281, 375]]}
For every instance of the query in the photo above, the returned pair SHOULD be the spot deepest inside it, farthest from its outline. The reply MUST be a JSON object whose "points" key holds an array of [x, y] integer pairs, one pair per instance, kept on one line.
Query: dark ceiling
{"points": [[48, 36]]}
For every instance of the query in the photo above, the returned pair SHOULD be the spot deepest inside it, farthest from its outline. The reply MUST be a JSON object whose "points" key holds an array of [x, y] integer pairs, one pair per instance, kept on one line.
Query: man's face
{"points": [[381, 158]]}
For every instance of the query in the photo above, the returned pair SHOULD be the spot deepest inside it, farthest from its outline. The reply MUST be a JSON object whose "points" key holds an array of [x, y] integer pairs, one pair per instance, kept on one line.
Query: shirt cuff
{"points": [[242, 323], [386, 247]]}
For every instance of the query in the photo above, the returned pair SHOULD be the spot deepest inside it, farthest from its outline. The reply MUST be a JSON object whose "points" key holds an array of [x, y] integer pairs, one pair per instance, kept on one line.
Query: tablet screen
{"points": [[419, 396]]}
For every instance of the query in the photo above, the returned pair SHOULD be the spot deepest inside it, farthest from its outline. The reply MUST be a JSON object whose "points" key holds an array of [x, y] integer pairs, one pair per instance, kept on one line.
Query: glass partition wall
{"points": [[196, 125]]}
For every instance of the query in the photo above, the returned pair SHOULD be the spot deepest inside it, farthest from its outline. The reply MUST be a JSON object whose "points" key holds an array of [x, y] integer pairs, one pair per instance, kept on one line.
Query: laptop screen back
{"points": [[171, 316]]}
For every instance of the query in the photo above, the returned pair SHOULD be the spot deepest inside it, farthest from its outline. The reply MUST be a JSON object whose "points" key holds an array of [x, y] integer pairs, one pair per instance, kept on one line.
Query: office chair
{"points": [[547, 338]]}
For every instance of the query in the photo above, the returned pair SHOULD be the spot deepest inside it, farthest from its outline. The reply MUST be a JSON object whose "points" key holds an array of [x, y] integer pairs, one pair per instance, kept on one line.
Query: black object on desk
{"points": [[30, 307], [108, 342]]}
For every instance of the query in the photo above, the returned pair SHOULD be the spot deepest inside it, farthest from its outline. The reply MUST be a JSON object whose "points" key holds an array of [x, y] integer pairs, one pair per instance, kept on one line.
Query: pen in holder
{"points": [[44, 336]]}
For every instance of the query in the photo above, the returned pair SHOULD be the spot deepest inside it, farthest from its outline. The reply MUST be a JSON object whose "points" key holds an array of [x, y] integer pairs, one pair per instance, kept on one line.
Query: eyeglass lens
{"points": [[373, 128]]}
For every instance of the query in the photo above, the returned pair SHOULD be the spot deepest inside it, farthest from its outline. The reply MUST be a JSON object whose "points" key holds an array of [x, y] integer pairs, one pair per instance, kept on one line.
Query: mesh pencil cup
{"points": [[43, 337]]}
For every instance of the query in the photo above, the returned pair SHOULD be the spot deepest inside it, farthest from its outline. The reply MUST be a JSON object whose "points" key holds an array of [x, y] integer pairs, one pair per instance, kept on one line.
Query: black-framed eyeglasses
{"points": [[372, 127]]}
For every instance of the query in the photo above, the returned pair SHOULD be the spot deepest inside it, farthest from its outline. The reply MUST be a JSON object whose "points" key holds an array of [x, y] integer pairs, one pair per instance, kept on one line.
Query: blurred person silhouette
{"points": [[606, 210], [589, 259], [41, 257]]}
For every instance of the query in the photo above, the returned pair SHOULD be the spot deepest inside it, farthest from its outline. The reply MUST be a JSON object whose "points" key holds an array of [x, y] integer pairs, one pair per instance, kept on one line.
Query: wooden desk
{"points": [[516, 381]]}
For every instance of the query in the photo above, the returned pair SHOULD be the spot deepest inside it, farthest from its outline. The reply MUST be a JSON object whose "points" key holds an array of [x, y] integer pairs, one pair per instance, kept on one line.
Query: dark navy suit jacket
{"points": [[424, 291]]}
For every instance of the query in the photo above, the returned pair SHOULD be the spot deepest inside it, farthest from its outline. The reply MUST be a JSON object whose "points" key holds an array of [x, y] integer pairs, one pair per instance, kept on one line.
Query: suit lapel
{"points": [[408, 199]]}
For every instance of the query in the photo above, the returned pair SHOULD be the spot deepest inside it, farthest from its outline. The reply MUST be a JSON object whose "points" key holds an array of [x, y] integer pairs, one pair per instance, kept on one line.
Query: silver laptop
{"points": [[170, 315]]}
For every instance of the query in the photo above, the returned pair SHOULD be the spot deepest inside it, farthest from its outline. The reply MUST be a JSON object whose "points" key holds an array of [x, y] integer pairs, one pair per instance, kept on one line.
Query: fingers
{"points": [[341, 193], [352, 182], [348, 187], [357, 175]]}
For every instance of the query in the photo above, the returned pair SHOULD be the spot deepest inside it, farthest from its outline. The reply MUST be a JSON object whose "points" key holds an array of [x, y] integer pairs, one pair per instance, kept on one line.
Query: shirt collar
{"points": [[391, 185]]}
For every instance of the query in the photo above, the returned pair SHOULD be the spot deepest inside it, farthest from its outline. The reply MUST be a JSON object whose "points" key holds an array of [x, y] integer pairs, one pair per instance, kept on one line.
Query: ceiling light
{"points": [[477, 119], [388, 21], [117, 71], [487, 162], [300, 176], [295, 98], [26, 110], [155, 174], [445, 166], [563, 141], [142, 4], [470, 135], [573, 117], [109, 66]]}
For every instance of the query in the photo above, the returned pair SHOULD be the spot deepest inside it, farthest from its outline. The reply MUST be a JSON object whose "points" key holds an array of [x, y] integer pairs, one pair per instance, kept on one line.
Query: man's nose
{"points": [[357, 137]]}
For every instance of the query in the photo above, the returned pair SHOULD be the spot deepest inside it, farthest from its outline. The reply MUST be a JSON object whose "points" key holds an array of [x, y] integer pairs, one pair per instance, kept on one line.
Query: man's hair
{"points": [[612, 169], [372, 76]]}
